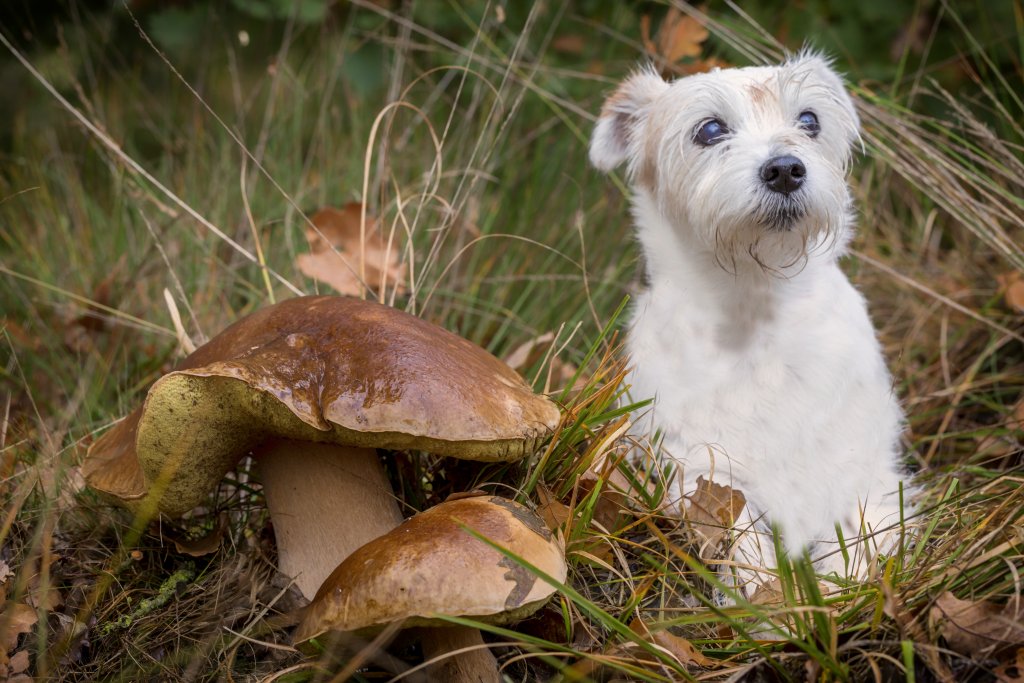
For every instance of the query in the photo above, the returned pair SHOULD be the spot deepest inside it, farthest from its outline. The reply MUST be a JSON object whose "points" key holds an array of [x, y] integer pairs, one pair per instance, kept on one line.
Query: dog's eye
{"points": [[809, 122], [711, 132]]}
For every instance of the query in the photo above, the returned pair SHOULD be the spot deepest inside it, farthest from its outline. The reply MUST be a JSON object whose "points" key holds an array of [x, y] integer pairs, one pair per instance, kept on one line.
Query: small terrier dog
{"points": [[765, 369]]}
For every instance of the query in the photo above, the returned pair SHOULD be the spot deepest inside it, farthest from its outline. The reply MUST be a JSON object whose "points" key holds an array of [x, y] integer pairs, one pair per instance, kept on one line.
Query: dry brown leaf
{"points": [[335, 252], [680, 648], [48, 599], [15, 619], [1012, 670], [557, 374], [553, 511], [19, 335], [204, 545], [611, 501], [977, 628], [713, 509], [19, 662], [768, 593], [679, 36], [1012, 287], [995, 446]]}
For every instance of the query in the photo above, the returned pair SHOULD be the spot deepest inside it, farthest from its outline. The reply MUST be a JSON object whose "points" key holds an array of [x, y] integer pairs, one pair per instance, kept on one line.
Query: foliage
{"points": [[253, 116]]}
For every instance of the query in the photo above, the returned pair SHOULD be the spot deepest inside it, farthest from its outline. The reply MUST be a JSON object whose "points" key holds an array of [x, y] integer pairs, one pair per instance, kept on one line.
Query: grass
{"points": [[506, 235]]}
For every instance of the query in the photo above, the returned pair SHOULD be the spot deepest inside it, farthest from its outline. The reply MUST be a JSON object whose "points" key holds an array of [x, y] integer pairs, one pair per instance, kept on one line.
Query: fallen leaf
{"points": [[557, 374], [19, 335], [19, 662], [335, 250], [5, 572], [553, 511], [48, 599], [1012, 670], [680, 648], [1011, 285], [15, 619], [769, 593], [977, 628], [912, 629], [206, 544], [995, 446], [679, 36], [713, 508], [611, 500]]}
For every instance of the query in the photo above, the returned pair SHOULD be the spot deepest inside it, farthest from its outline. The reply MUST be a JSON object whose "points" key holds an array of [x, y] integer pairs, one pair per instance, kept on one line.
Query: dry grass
{"points": [[199, 185]]}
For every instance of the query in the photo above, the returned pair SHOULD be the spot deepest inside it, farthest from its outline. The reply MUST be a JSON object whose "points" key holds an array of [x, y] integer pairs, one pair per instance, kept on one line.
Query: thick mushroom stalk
{"points": [[338, 500], [459, 654]]}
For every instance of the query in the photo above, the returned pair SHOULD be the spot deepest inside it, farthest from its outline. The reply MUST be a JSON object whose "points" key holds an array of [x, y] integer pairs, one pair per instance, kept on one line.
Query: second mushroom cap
{"points": [[431, 565]]}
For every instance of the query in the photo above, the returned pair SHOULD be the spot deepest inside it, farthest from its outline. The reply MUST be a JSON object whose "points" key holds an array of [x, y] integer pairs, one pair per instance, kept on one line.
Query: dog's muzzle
{"points": [[783, 174]]}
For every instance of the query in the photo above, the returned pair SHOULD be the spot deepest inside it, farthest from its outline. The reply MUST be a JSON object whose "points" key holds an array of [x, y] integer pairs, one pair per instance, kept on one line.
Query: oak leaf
{"points": [[557, 373], [977, 628], [1012, 670], [713, 508], [1011, 285], [16, 618], [19, 662], [336, 247], [679, 36], [207, 544], [554, 512], [679, 647]]}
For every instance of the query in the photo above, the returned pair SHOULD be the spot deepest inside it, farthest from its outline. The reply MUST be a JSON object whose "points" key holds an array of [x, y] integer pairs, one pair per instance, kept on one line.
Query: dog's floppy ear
{"points": [[622, 117]]}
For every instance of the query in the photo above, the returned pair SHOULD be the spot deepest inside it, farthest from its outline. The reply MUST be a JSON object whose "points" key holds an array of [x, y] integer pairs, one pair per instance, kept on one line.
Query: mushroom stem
{"points": [[474, 666], [325, 501]]}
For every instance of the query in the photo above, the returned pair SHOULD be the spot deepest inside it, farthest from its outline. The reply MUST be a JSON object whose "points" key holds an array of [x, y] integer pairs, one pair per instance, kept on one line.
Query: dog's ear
{"points": [[622, 118]]}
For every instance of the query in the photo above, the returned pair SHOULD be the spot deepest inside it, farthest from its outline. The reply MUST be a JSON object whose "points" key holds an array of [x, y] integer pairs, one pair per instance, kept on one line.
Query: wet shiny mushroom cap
{"points": [[324, 369], [431, 565]]}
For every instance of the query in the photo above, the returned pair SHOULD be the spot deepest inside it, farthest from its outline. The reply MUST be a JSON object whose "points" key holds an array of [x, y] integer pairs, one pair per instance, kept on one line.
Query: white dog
{"points": [[765, 369]]}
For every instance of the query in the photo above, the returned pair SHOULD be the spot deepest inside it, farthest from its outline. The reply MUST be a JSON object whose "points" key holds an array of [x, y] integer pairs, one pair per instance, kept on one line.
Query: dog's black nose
{"points": [[784, 174]]}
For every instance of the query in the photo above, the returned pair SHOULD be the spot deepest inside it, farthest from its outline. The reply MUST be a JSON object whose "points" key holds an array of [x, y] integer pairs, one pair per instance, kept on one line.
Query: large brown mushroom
{"points": [[311, 386], [430, 567]]}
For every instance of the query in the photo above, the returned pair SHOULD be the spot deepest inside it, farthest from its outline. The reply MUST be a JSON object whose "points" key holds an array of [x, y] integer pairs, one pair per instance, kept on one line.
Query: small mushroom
{"points": [[311, 386], [431, 566]]}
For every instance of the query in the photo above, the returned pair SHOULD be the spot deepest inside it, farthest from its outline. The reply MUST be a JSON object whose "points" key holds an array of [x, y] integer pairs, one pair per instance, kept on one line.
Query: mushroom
{"points": [[311, 386], [431, 566]]}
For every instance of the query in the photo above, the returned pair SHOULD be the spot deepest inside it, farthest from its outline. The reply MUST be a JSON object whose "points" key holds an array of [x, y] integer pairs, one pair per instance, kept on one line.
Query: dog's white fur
{"points": [[765, 369]]}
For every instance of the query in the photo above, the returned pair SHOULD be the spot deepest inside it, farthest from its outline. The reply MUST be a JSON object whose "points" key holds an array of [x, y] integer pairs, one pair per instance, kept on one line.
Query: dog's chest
{"points": [[744, 373]]}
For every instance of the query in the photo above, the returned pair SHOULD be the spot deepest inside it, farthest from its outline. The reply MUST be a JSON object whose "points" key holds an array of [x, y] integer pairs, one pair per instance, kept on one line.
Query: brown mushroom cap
{"points": [[430, 565], [324, 369]]}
